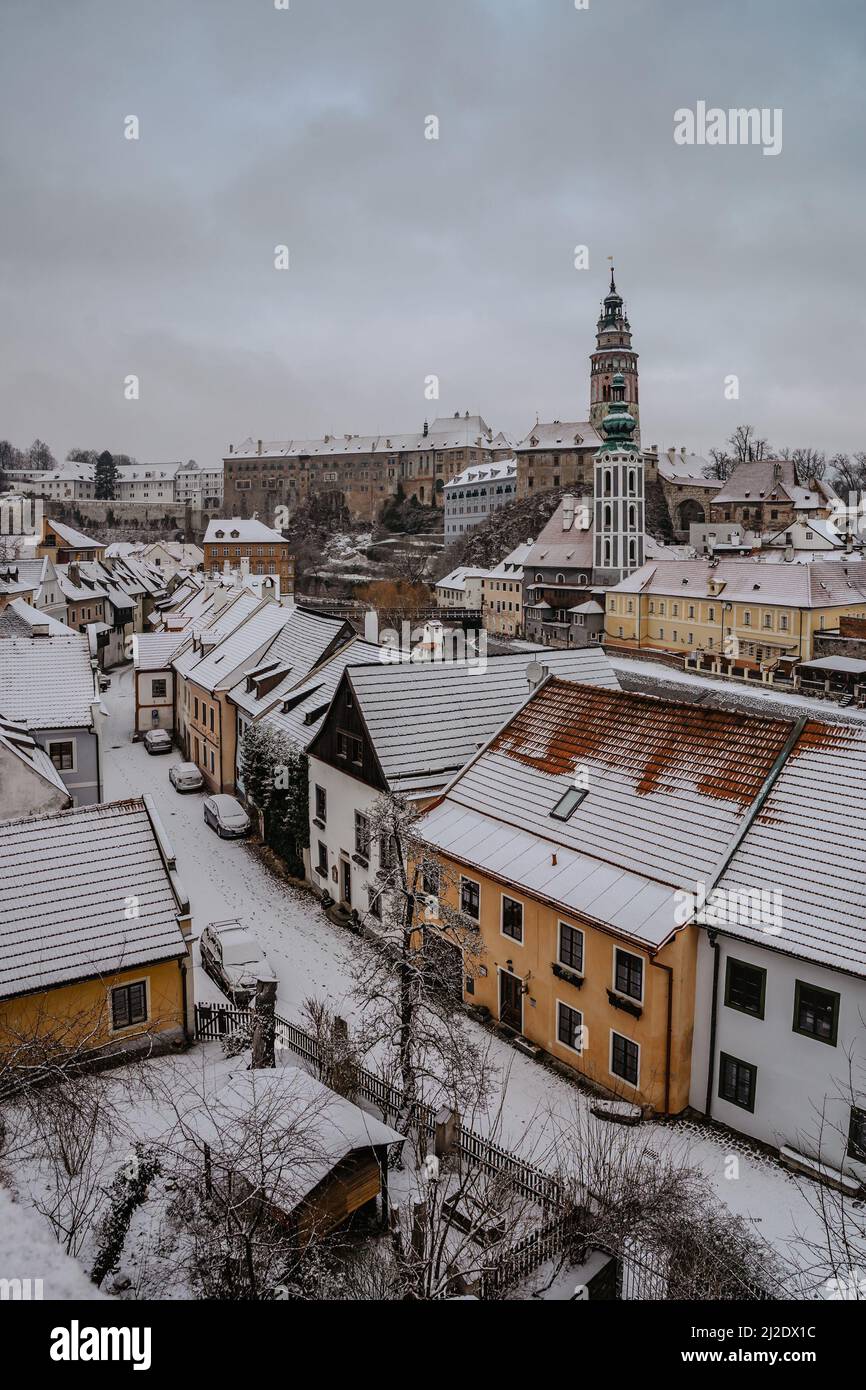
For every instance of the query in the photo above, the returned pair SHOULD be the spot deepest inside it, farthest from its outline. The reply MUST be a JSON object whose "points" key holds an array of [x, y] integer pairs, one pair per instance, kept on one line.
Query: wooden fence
{"points": [[219, 1020]]}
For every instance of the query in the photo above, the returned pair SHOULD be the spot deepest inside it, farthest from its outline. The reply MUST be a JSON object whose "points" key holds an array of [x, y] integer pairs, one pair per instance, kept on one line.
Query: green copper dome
{"points": [[618, 425]]}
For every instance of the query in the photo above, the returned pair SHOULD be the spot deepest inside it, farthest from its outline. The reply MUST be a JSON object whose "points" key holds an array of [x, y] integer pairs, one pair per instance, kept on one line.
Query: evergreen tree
{"points": [[105, 476]]}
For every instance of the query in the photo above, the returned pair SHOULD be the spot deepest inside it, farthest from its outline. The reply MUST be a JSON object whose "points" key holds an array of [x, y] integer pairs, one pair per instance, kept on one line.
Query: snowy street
{"points": [[313, 957]]}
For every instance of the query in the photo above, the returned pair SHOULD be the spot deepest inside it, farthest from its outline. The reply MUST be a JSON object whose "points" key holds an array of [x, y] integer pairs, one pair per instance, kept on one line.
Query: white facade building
{"points": [[462, 588], [779, 1047], [474, 494]]}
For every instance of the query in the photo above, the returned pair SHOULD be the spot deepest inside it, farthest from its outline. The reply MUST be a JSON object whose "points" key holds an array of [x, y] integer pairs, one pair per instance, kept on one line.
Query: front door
{"points": [[511, 1000], [347, 882]]}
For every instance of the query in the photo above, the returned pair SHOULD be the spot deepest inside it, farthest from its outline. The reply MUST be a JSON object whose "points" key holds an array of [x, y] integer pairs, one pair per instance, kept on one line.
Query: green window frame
{"points": [[732, 989], [733, 1073], [824, 1028]]}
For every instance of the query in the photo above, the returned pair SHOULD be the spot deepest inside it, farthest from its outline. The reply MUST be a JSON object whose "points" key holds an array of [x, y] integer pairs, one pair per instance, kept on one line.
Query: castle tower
{"points": [[619, 493], [613, 353]]}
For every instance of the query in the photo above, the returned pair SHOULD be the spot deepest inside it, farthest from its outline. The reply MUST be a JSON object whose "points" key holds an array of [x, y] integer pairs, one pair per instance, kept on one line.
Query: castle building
{"points": [[561, 454], [614, 355]]}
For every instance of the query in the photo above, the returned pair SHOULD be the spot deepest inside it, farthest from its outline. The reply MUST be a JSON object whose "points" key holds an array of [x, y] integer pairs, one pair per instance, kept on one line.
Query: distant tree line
{"points": [[846, 472], [39, 459]]}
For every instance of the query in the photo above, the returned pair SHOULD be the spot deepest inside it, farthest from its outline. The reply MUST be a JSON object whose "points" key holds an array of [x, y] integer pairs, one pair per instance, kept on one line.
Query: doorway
{"points": [[511, 1000]]}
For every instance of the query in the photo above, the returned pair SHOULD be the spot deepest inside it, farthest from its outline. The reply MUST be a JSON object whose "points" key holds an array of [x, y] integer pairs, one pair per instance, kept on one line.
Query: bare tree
{"points": [[721, 465], [410, 982], [241, 1159], [848, 473], [631, 1195]]}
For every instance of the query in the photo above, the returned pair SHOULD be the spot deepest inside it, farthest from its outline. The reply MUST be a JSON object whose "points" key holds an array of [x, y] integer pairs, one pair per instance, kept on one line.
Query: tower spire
{"points": [[613, 355]]}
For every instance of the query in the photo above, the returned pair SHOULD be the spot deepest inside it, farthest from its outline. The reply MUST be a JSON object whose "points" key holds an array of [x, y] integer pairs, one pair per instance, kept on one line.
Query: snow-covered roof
{"points": [[463, 431], [153, 651], [494, 472], [47, 681], [238, 528], [425, 719], [289, 1097], [512, 566], [75, 539], [808, 845], [16, 741], [835, 663], [668, 786], [561, 549], [313, 696], [218, 669], [457, 578], [213, 626], [31, 617], [64, 881], [821, 585], [298, 647], [560, 434], [769, 480], [680, 466]]}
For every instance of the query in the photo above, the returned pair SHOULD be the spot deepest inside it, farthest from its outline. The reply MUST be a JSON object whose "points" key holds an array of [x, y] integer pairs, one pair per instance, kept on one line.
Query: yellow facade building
{"points": [[734, 617], [95, 933], [577, 839]]}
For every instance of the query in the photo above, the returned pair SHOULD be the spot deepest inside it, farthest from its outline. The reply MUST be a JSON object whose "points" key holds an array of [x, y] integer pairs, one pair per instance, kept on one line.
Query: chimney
{"points": [[567, 511], [231, 448], [245, 566], [39, 630], [258, 447], [74, 573]]}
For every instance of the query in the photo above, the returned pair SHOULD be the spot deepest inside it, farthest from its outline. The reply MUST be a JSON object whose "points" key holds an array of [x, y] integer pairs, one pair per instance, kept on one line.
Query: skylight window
{"points": [[568, 803]]}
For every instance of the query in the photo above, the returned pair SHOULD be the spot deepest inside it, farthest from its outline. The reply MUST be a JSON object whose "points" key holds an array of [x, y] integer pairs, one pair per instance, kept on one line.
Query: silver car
{"points": [[157, 741], [234, 960], [226, 816], [185, 777]]}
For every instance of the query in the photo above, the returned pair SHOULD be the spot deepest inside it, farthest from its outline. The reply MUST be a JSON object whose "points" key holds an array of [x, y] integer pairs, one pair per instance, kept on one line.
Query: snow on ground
{"points": [[313, 957], [29, 1252]]}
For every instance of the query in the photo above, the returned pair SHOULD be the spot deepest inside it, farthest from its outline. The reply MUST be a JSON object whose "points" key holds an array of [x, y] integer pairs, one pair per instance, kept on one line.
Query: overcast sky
{"points": [[412, 257]]}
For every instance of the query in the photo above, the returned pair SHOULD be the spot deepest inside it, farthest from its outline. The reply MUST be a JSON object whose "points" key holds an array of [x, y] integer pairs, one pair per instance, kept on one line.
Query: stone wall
{"points": [[131, 520]]}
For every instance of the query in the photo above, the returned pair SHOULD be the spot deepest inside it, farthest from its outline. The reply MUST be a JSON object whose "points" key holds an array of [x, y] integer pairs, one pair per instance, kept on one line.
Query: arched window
{"points": [[560, 579], [608, 514], [632, 515], [632, 482], [607, 552], [632, 552], [539, 579]]}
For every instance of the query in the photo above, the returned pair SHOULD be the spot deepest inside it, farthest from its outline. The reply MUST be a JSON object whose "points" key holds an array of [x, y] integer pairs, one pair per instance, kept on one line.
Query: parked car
{"points": [[185, 777], [234, 960], [226, 816], [157, 741]]}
